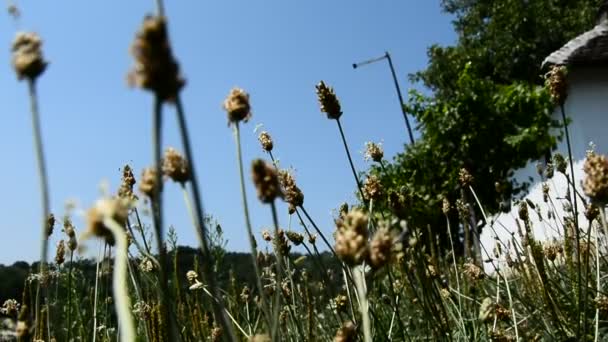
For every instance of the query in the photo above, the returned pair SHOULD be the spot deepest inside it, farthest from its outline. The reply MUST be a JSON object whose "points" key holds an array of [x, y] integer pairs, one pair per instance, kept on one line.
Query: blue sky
{"points": [[276, 50]]}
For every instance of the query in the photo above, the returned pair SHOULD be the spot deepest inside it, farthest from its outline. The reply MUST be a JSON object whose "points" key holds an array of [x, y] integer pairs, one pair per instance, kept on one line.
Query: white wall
{"points": [[587, 106]]}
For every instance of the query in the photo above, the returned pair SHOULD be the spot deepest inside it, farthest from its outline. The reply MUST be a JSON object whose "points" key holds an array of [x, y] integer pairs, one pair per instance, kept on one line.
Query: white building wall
{"points": [[587, 107]]}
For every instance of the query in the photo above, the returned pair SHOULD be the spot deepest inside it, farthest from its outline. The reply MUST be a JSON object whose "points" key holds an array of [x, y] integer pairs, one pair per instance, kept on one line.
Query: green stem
{"points": [[201, 229], [279, 280], [350, 160], [69, 325], [252, 243], [44, 189]]}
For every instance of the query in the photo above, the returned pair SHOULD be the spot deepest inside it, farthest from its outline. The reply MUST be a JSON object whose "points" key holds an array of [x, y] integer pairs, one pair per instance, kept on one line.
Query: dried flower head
{"points": [[155, 68], [50, 225], [28, 61], [351, 237], [68, 227], [552, 249], [10, 308], [126, 185], [148, 182], [237, 106], [601, 303], [465, 178], [175, 166], [281, 244], [381, 248], [115, 208], [146, 265], [473, 271], [266, 181], [245, 294], [216, 334], [445, 206], [295, 237], [341, 303], [595, 184], [266, 235], [60, 252], [555, 81], [346, 333], [328, 100], [591, 212], [373, 152], [523, 211], [312, 238], [192, 276], [266, 141], [372, 188], [560, 163], [293, 195]]}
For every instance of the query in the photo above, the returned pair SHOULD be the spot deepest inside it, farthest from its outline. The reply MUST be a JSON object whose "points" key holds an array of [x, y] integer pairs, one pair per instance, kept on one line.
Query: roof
{"points": [[590, 48]]}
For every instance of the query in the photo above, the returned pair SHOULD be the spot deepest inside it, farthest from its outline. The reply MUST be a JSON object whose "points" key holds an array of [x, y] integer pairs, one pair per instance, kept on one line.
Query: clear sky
{"points": [[277, 50]]}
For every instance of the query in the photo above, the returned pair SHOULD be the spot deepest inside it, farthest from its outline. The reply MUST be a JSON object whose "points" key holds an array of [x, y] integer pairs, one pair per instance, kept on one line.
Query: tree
{"points": [[487, 112]]}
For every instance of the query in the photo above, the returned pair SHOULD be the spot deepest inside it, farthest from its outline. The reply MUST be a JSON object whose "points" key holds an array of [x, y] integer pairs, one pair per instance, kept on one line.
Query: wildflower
{"points": [[148, 182], [591, 212], [330, 104], [142, 310], [192, 276], [555, 81], [341, 303], [60, 252], [551, 250], [545, 192], [373, 152], [266, 181], [266, 235], [237, 106], [146, 265], [115, 208], [68, 227], [155, 67], [380, 248], [216, 334], [28, 61], [351, 237], [245, 294], [595, 184], [346, 333], [175, 166], [372, 188], [295, 238], [10, 307], [293, 194], [281, 243], [445, 206], [50, 225], [126, 186], [266, 141], [465, 178], [473, 271], [549, 170], [560, 163]]}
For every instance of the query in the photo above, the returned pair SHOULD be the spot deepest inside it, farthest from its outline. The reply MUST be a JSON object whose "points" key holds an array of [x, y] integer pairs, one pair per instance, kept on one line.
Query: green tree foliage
{"points": [[487, 111]]}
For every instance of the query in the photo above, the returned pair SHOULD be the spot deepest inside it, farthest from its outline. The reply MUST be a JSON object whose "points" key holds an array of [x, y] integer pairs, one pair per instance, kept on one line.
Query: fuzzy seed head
{"points": [[295, 238], [473, 271], [560, 163], [266, 141], [373, 152], [293, 195], [50, 225], [68, 227], [351, 237], [60, 252], [28, 61], [266, 181], [237, 106], [465, 178], [328, 101], [10, 308], [595, 184], [381, 248], [155, 68], [115, 208], [555, 81], [175, 166], [148, 182], [192, 276], [372, 188], [126, 186]]}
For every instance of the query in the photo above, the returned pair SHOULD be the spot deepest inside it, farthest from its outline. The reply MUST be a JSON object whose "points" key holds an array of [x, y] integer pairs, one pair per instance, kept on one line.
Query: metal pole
{"points": [[407, 122]]}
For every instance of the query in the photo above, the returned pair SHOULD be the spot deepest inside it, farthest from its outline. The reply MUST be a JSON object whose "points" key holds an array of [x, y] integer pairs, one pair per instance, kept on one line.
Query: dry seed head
{"points": [[445, 206], [381, 247], [328, 100], [28, 61], [293, 195], [549, 170], [281, 244], [373, 152], [465, 178], [266, 181], [266, 141], [266, 235], [68, 227], [60, 252], [10, 308], [346, 333], [237, 106], [372, 188], [50, 225], [601, 303], [155, 68], [312, 238], [591, 212], [148, 182], [216, 334], [295, 238], [473, 271], [351, 237], [555, 81], [175, 166], [126, 186], [560, 163], [146, 265], [341, 303], [115, 208], [595, 184], [192, 277]]}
